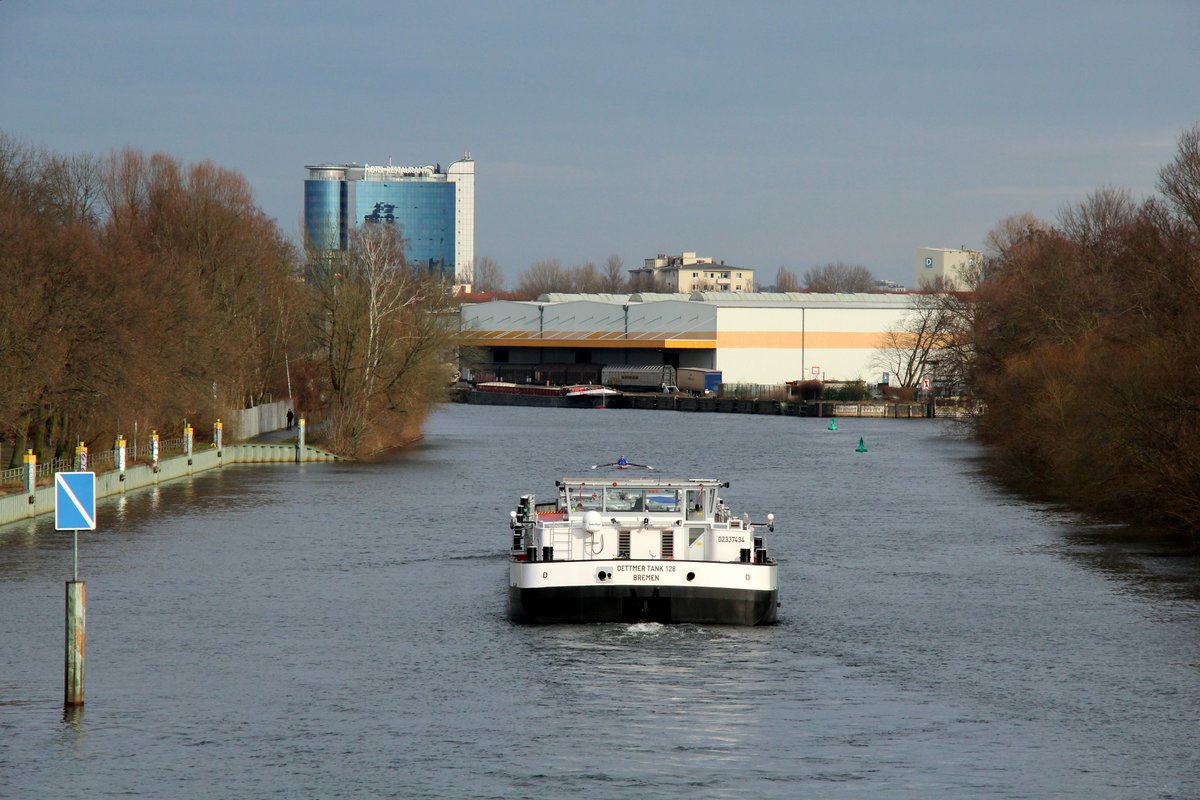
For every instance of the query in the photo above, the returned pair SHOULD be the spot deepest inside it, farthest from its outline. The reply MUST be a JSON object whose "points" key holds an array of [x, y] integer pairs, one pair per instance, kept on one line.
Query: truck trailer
{"points": [[699, 381], [646, 378]]}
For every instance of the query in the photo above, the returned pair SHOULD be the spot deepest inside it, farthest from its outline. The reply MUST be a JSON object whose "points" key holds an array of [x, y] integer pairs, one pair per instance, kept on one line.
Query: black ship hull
{"points": [[665, 604]]}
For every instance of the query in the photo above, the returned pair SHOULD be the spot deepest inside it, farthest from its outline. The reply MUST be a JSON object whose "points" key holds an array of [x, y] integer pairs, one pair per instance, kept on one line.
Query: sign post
{"points": [[75, 510]]}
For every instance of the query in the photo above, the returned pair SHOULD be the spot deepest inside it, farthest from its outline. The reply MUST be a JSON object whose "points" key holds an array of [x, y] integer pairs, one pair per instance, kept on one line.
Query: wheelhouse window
{"points": [[662, 500], [699, 503], [622, 498], [584, 498]]}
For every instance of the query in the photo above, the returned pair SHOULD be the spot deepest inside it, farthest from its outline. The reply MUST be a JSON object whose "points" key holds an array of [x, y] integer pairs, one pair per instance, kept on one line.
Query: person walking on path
{"points": [[290, 417]]}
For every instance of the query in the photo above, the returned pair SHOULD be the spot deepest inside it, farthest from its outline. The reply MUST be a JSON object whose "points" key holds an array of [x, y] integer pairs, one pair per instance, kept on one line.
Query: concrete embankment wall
{"points": [[16, 507], [791, 408], [729, 405]]}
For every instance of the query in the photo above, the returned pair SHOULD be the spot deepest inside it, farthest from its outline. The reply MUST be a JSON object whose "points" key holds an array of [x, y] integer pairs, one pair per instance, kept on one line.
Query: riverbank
{"points": [[21, 506], [729, 405]]}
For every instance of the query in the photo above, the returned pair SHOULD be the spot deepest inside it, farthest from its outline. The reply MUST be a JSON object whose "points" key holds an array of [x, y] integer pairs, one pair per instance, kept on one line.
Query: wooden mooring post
{"points": [[76, 641]]}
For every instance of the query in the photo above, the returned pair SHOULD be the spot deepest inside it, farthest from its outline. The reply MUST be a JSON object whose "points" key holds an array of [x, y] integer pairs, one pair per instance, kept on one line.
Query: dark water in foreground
{"points": [[338, 631]]}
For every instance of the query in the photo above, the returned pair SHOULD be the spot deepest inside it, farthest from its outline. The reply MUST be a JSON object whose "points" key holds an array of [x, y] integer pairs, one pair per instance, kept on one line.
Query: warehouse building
{"points": [[763, 338]]}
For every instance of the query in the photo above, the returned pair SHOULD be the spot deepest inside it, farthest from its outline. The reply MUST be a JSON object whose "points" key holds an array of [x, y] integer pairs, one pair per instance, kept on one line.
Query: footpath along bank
{"points": [[278, 446]]}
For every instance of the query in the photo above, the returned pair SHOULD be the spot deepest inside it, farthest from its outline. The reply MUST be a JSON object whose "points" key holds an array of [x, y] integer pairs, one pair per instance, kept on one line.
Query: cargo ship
{"points": [[616, 547]]}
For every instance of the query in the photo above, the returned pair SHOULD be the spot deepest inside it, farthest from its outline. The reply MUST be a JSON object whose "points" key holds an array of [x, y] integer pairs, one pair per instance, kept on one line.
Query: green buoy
{"points": [[833, 424], [862, 448]]}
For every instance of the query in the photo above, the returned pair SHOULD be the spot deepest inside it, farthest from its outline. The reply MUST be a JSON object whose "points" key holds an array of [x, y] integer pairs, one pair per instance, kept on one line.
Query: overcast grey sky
{"points": [[763, 134]]}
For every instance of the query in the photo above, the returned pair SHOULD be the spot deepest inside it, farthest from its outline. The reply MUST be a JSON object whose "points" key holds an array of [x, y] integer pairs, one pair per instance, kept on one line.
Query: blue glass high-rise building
{"points": [[434, 207]]}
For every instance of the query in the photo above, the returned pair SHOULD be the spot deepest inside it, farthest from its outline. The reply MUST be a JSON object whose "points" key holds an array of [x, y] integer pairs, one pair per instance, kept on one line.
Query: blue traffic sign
{"points": [[74, 501]]}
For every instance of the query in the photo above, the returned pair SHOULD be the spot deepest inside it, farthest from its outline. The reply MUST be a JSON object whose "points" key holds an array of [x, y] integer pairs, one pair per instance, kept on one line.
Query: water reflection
{"points": [[120, 507], [74, 732], [1143, 559]]}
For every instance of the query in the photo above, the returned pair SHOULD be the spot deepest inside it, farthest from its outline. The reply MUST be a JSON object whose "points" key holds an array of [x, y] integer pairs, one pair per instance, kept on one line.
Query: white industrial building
{"points": [[764, 338]]}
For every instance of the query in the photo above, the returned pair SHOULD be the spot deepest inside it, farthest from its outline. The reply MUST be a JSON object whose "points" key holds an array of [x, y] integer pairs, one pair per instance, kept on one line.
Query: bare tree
{"points": [[615, 280], [1087, 342], [1010, 233], [1098, 225], [913, 348], [488, 277], [1180, 180], [585, 278], [134, 284], [543, 277], [839, 277], [785, 281], [70, 186], [18, 163], [379, 324]]}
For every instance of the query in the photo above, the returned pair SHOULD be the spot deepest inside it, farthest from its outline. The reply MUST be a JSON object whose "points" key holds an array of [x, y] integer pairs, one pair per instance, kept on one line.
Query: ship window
{"points": [[662, 500], [584, 498], [621, 498]]}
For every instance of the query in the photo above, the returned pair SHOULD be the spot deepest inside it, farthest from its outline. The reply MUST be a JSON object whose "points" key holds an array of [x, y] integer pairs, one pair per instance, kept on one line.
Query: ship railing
{"points": [[558, 536]]}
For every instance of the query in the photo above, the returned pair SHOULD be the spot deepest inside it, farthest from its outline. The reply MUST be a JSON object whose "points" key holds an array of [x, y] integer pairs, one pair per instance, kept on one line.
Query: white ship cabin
{"points": [[644, 518]]}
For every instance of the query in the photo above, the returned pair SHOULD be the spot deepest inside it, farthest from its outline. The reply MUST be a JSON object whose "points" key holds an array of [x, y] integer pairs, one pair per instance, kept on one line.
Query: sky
{"points": [[762, 134]]}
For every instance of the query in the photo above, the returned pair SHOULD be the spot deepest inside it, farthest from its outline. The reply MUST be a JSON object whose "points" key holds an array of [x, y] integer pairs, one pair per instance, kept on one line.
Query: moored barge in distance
{"points": [[612, 548], [503, 393]]}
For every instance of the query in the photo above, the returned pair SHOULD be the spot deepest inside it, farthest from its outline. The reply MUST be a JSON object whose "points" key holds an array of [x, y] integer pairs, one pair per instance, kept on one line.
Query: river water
{"points": [[338, 630]]}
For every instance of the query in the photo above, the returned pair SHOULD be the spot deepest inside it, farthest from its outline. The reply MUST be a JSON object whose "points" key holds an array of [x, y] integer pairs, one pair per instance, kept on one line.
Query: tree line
{"points": [[1085, 350], [550, 276], [143, 292]]}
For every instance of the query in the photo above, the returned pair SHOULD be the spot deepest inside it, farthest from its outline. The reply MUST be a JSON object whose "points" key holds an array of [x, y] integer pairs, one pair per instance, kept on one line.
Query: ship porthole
{"points": [[691, 576]]}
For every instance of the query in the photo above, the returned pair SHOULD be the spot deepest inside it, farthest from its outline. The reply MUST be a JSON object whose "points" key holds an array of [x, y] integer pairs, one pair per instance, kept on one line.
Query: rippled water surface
{"points": [[338, 631]]}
